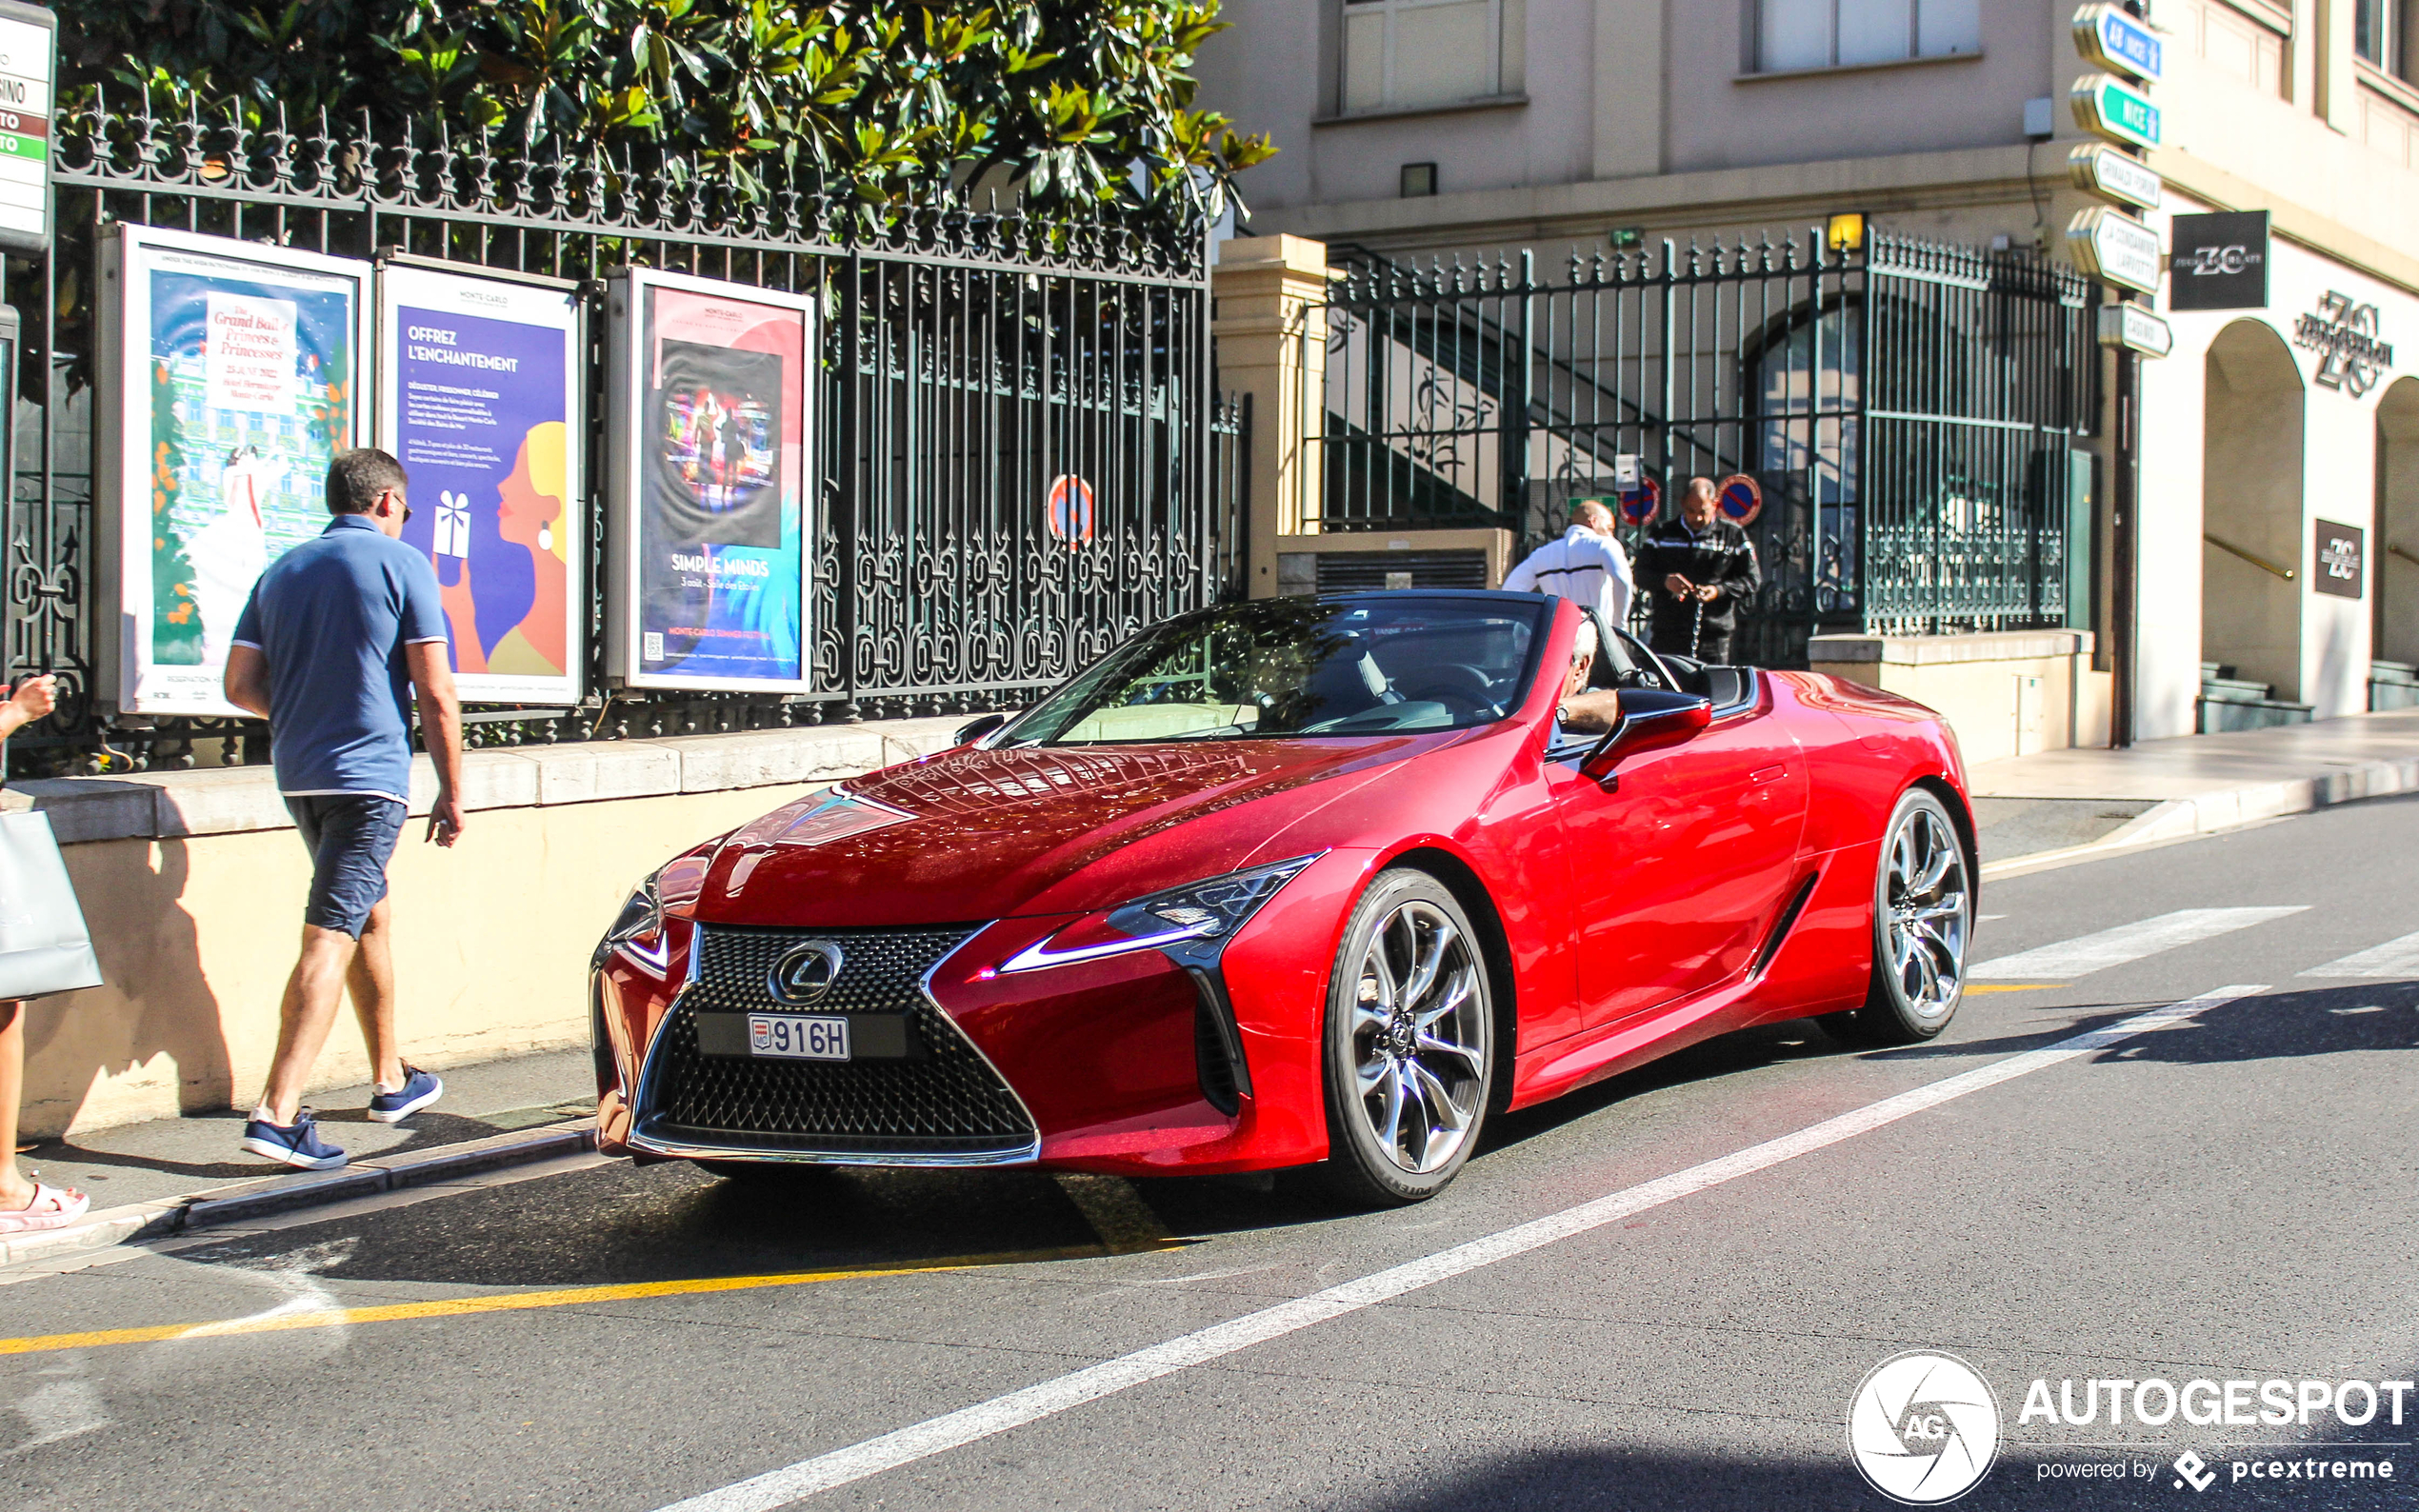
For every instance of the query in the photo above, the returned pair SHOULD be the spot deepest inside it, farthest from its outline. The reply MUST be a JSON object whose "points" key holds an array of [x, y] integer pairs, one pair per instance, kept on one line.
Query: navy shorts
{"points": [[351, 836]]}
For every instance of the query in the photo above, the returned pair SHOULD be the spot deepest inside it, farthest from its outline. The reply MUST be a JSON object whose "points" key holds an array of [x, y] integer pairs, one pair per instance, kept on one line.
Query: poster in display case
{"points": [[228, 376], [710, 497], [481, 385]]}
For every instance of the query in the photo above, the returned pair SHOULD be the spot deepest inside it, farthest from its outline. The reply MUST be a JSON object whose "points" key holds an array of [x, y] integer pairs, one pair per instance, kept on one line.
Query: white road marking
{"points": [[2395, 958], [778, 1489], [65, 1406], [2127, 942]]}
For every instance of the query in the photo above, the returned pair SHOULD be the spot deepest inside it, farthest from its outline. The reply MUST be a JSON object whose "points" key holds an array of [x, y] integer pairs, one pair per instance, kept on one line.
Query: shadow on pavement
{"points": [[2374, 1015]]}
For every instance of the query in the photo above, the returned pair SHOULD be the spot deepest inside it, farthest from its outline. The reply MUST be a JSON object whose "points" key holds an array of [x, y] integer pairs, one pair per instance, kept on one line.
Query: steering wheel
{"points": [[1458, 685]]}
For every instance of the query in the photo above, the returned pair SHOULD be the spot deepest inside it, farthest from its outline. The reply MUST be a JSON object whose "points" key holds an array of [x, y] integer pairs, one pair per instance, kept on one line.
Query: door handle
{"points": [[1772, 773]]}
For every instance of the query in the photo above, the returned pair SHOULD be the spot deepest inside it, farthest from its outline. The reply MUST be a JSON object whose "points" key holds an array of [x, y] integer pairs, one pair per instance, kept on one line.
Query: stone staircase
{"points": [[2227, 701], [2393, 684]]}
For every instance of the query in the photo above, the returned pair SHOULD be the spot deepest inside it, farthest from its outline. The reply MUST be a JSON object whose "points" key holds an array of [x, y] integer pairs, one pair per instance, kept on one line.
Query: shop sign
{"points": [[2135, 329], [2106, 35], [2339, 560], [2107, 105], [2098, 169], [2115, 249], [2352, 358], [2220, 262]]}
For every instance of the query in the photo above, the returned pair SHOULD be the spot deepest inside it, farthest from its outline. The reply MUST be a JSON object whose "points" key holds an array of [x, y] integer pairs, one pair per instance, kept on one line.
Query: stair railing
{"points": [[2252, 557]]}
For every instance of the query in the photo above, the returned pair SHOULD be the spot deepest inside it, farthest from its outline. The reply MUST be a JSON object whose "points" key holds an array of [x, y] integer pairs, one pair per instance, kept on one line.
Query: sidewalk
{"points": [[168, 1175], [2033, 808]]}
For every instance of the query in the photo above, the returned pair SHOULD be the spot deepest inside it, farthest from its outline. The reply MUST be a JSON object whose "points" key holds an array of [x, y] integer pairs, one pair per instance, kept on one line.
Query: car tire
{"points": [[1923, 924], [1409, 1047]]}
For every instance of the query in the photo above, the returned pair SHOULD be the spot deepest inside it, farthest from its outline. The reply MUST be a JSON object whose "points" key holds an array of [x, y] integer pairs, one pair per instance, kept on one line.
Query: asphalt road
{"points": [[2226, 1197]]}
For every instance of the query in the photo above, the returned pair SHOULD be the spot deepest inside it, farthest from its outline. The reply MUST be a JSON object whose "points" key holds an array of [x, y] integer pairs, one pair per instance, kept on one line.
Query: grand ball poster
{"points": [[711, 485], [231, 371], [479, 399]]}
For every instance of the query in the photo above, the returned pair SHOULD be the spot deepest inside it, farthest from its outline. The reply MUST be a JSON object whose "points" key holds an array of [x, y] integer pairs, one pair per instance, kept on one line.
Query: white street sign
{"points": [[2135, 329], [2115, 249], [2099, 169], [26, 68], [2106, 35]]}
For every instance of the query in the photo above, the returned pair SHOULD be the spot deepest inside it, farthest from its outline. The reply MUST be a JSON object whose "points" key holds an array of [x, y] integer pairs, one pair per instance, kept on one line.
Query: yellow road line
{"points": [[524, 1301], [2010, 986]]}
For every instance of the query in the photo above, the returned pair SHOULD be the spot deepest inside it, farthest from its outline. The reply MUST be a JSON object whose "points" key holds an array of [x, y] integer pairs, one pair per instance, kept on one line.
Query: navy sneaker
{"points": [[420, 1089], [297, 1145]]}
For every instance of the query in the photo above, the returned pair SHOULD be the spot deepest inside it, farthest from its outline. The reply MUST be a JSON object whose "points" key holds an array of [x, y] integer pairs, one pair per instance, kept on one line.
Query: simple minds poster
{"points": [[712, 447], [481, 387]]}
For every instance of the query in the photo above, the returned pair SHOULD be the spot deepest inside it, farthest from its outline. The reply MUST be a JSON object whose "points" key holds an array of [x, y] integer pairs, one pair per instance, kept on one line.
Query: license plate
{"points": [[789, 1037]]}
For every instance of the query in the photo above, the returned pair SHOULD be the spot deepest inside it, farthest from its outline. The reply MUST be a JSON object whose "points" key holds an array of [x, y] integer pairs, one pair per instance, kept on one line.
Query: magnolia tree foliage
{"points": [[1076, 101]]}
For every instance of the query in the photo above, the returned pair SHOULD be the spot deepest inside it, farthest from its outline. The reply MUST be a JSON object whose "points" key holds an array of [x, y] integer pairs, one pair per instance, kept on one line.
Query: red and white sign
{"points": [[1070, 509], [1740, 498]]}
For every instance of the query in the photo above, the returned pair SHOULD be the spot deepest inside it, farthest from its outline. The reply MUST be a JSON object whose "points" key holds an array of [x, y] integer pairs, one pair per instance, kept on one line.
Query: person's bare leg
{"points": [[15, 1191], [309, 1012], [372, 981]]}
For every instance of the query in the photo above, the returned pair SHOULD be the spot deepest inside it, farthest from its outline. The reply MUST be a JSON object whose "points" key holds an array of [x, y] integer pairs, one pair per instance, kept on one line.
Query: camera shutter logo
{"points": [[805, 972], [1923, 1428]]}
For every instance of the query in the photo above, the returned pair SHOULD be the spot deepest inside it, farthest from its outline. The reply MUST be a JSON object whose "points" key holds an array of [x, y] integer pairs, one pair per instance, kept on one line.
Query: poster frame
{"points": [[398, 273], [121, 460], [626, 399]]}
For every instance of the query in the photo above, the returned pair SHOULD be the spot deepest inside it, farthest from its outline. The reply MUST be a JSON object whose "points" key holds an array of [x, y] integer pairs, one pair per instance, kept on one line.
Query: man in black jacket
{"points": [[1695, 569]]}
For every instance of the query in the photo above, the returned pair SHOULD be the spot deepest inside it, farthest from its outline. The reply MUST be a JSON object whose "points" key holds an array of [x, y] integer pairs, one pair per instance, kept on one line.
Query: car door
{"points": [[1681, 865]]}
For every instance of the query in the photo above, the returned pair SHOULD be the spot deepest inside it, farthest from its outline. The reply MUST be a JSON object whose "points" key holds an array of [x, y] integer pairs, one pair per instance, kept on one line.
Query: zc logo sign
{"points": [[2210, 262]]}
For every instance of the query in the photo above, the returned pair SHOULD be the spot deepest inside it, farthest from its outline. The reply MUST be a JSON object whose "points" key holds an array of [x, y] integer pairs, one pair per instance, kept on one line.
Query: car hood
{"points": [[972, 834]]}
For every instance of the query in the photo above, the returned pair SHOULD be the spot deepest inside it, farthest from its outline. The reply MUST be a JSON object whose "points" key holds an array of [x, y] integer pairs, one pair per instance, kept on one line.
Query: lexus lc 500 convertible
{"points": [[1295, 881]]}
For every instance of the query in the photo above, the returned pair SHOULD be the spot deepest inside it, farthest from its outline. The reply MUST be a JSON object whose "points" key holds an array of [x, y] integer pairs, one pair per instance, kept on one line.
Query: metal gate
{"points": [[1907, 409], [970, 358]]}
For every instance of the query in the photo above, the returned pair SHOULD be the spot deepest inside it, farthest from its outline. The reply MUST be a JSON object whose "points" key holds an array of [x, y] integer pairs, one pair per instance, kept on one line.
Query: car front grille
{"points": [[942, 1103]]}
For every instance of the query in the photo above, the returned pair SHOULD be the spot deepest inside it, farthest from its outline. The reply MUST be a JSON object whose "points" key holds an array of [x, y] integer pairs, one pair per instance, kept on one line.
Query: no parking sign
{"points": [[1740, 498], [1070, 509], [1639, 501]]}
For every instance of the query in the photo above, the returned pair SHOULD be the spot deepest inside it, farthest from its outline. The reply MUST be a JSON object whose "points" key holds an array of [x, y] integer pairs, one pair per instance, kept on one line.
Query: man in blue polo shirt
{"points": [[339, 633]]}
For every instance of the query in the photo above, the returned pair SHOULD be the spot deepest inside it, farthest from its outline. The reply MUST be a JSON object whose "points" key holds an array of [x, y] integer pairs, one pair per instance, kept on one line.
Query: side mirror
{"points": [[976, 729], [1650, 719]]}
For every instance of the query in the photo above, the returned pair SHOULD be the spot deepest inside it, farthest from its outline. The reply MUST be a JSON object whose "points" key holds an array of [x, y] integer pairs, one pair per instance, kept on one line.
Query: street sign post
{"points": [[2098, 169], [2115, 249], [2107, 105], [2106, 35], [2130, 328], [29, 54]]}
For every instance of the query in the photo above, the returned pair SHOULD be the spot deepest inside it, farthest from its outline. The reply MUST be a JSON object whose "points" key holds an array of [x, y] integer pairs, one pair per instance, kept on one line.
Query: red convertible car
{"points": [[1288, 882]]}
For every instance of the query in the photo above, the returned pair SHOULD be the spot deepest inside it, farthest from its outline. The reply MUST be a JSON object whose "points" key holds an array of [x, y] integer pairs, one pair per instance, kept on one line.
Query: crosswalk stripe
{"points": [[2068, 959], [2395, 958]]}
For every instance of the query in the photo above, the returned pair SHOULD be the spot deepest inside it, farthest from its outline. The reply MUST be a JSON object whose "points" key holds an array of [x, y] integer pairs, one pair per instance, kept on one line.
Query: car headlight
{"points": [[1192, 923], [639, 927]]}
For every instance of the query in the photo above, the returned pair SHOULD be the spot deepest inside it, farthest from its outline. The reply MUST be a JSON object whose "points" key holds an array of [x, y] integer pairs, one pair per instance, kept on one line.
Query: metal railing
{"points": [[1905, 408], [969, 357]]}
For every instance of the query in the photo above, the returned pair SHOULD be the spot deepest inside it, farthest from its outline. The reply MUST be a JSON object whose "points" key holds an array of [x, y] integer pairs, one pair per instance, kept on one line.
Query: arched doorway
{"points": [[2251, 509], [2395, 552]]}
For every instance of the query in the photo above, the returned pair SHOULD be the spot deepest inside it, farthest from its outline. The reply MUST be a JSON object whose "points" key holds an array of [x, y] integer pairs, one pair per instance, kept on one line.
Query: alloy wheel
{"points": [[1419, 1037], [1929, 918]]}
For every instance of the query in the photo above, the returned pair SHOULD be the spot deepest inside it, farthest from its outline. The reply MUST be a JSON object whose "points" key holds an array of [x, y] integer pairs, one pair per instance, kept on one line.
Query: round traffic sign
{"points": [[1070, 509], [1638, 504], [1740, 499]]}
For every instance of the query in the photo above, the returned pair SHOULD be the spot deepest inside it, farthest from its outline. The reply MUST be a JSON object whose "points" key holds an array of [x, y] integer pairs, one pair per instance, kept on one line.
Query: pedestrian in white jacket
{"points": [[1587, 566]]}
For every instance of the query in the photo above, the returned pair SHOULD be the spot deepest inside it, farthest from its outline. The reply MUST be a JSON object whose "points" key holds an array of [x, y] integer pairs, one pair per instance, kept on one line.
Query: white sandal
{"points": [[52, 1207]]}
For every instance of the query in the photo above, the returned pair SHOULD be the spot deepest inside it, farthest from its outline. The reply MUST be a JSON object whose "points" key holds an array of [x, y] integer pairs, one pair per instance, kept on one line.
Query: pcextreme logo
{"points": [[1923, 1427]]}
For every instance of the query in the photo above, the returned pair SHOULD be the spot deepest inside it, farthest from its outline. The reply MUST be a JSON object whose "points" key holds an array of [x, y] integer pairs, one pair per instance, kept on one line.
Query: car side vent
{"points": [[1217, 1046]]}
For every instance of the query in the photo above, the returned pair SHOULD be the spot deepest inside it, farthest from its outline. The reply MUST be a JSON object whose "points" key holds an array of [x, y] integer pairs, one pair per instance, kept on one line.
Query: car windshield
{"points": [[1297, 666]]}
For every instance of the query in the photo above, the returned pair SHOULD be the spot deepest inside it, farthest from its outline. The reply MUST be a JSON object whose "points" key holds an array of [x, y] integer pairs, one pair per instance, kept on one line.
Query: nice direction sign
{"points": [[27, 48], [2107, 105], [2099, 169], [2106, 35], [2115, 249]]}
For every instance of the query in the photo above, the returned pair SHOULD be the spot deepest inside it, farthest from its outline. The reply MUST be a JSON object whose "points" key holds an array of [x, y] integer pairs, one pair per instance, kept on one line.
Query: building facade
{"points": [[2278, 445]]}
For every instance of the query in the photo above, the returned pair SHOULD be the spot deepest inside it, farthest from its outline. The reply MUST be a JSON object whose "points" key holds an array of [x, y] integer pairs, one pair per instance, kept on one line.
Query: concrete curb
{"points": [[2231, 808], [220, 1205]]}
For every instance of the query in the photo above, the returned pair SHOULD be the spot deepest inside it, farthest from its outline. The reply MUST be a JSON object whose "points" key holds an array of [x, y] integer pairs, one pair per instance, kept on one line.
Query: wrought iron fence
{"points": [[1906, 409], [970, 357]]}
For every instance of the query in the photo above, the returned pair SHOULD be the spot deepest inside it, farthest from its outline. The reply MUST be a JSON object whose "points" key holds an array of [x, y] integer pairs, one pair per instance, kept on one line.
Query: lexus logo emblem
{"points": [[805, 972]]}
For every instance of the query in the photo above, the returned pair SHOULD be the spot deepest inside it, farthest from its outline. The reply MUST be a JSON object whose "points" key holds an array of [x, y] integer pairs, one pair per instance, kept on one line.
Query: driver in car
{"points": [[1583, 710]]}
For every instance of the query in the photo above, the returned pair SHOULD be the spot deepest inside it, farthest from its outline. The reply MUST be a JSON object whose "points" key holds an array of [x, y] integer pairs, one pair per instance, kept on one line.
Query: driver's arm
{"points": [[1590, 713]]}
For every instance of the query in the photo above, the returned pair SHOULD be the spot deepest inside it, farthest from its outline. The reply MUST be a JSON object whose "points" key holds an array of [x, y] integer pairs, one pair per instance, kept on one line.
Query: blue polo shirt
{"points": [[332, 617]]}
